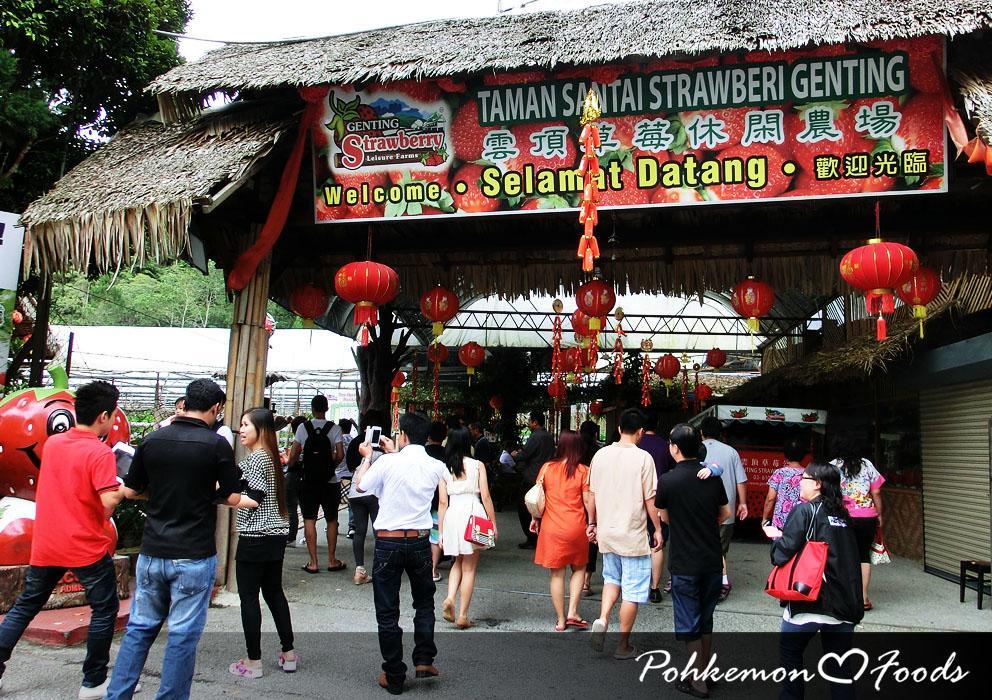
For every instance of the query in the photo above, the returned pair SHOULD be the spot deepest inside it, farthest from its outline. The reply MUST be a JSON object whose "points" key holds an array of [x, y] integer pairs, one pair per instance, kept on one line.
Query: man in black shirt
{"points": [[538, 449], [177, 470], [693, 509]]}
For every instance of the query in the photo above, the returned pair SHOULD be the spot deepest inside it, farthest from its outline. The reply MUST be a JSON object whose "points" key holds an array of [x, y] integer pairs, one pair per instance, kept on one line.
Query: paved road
{"points": [[335, 625]]}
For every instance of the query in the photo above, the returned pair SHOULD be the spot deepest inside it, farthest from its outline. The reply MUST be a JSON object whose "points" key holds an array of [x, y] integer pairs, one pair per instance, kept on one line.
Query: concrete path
{"points": [[335, 624]]}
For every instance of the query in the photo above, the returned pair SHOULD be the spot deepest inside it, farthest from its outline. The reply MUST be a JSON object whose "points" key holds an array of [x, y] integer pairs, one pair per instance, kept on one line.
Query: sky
{"points": [[267, 20]]}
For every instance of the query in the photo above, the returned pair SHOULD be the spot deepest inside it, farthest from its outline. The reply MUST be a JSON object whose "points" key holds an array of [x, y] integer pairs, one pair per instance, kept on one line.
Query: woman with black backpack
{"points": [[838, 608]]}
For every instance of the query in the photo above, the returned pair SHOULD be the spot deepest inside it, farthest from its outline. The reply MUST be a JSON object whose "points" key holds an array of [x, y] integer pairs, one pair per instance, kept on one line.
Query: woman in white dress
{"points": [[460, 495]]}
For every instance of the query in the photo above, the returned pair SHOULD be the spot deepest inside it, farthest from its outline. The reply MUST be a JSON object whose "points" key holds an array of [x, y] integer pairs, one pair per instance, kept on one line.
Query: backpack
{"points": [[318, 453]]}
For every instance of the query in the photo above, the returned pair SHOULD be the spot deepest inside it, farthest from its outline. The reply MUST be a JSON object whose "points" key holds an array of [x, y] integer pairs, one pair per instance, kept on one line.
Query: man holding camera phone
{"points": [[405, 482]]}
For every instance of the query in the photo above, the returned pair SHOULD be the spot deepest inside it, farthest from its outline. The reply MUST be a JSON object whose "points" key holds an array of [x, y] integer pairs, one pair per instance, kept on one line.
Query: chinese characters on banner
{"points": [[832, 121], [11, 247]]}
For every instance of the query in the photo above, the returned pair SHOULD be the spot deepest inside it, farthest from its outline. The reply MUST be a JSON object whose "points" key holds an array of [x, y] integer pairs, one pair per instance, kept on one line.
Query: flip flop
{"points": [[631, 653], [340, 566], [598, 636], [868, 605], [309, 570], [561, 628], [577, 623]]}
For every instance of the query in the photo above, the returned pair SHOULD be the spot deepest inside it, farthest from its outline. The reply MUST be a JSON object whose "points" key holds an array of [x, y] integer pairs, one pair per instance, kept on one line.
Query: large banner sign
{"points": [[832, 121]]}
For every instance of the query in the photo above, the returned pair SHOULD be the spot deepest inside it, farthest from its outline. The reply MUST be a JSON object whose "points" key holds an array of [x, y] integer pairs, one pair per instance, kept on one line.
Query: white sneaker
{"points": [[361, 576], [95, 693], [598, 634]]}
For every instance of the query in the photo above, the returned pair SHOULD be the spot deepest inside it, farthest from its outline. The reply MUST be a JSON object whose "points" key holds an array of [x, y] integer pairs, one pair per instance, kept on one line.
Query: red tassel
{"points": [[365, 335], [881, 333], [888, 304]]}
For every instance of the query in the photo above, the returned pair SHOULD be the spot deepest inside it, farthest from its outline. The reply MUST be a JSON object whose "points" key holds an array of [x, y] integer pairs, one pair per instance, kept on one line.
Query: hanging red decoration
{"points": [[589, 358], [878, 269], [716, 358], [436, 354], [596, 407], [667, 367], [752, 299], [394, 398], [557, 391], [582, 324], [704, 392], [439, 305], [471, 354], [596, 299], [618, 347], [368, 285], [556, 353], [309, 302], [590, 171], [571, 364], [414, 376], [646, 346], [918, 291], [270, 324], [496, 403]]}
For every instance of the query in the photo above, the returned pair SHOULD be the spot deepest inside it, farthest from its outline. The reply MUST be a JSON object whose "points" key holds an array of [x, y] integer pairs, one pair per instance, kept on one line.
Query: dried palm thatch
{"points": [[865, 355], [133, 199], [976, 89], [613, 32]]}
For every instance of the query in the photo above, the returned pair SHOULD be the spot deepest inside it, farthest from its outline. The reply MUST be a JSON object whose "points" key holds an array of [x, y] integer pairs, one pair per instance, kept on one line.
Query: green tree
{"points": [[159, 295], [72, 72]]}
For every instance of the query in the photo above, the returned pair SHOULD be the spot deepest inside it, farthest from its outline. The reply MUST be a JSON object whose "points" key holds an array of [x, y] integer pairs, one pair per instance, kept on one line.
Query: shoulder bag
{"points": [[479, 530], [801, 577], [534, 498]]}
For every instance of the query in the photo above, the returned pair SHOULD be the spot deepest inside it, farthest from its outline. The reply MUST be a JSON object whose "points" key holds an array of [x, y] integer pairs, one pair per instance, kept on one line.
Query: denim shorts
{"points": [[632, 574], [693, 602]]}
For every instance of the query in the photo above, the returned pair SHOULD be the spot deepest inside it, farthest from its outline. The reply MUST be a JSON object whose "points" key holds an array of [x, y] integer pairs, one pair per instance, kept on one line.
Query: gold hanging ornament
{"points": [[646, 347], [589, 170], [618, 347]]}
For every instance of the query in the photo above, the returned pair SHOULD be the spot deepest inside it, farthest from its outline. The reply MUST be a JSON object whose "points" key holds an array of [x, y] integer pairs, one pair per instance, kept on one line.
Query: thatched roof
{"points": [[613, 32], [133, 199], [976, 90]]}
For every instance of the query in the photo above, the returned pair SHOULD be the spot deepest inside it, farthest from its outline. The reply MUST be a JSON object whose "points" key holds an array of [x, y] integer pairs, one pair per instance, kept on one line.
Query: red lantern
{"points": [[368, 285], [589, 357], [557, 390], [918, 291], [703, 393], [878, 269], [596, 407], [309, 302], [496, 403], [752, 299], [716, 358], [471, 355], [571, 363], [667, 367], [582, 324], [439, 305], [595, 299]]}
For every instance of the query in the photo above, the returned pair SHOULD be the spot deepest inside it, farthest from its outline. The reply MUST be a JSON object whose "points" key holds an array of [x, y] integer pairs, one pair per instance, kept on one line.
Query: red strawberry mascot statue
{"points": [[27, 419]]}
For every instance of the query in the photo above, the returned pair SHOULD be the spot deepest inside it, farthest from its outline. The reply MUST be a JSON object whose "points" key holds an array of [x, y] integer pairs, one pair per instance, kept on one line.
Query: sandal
{"points": [[868, 606], [309, 570], [561, 628], [338, 566], [243, 670], [586, 589], [577, 622], [687, 688]]}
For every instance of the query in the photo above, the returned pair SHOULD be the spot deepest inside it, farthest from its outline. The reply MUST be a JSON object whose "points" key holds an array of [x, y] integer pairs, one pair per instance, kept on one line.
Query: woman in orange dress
{"points": [[562, 540]]}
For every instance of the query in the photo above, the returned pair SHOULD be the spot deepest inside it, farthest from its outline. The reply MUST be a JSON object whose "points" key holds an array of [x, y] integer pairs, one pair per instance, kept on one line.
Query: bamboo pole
{"points": [[246, 361]]}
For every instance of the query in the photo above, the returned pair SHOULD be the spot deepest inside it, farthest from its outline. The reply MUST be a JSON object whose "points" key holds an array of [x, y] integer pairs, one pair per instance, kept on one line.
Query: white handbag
{"points": [[534, 500]]}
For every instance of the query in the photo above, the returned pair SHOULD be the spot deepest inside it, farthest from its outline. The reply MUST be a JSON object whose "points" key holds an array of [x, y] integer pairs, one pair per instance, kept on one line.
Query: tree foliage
{"points": [[160, 295], [72, 72]]}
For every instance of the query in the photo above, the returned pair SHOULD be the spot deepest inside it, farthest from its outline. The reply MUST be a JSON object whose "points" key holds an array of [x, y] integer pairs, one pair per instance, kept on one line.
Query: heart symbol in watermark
{"points": [[840, 660]]}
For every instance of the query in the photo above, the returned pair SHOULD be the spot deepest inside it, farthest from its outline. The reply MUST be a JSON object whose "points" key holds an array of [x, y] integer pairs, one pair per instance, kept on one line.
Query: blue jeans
{"points": [[693, 602], [173, 590], [836, 639], [100, 583], [393, 557]]}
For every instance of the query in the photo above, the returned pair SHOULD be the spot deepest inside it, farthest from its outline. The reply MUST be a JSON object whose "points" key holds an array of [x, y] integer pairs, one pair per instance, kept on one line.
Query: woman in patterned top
{"points": [[783, 486], [263, 525], [861, 485]]}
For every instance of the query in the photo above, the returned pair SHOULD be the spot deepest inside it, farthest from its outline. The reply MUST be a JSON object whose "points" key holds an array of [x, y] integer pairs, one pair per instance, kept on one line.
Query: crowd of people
{"points": [[623, 503]]}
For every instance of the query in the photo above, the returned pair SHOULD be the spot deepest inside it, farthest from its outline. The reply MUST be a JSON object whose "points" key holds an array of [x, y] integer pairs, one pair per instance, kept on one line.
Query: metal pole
{"points": [[68, 354]]}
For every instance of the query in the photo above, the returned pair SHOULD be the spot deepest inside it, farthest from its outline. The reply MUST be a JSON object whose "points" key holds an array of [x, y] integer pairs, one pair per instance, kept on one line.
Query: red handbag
{"points": [[801, 577], [480, 532]]}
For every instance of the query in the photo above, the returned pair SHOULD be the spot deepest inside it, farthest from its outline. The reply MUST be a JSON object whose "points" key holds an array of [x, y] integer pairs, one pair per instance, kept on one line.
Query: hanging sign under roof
{"points": [[833, 121]]}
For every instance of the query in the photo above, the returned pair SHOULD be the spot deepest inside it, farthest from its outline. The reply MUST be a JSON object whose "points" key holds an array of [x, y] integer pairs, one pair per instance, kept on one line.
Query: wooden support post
{"points": [[247, 355], [39, 336]]}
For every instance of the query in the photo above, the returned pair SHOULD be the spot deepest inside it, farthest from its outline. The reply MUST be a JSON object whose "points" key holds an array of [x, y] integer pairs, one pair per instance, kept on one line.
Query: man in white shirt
{"points": [[405, 482], [734, 483]]}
